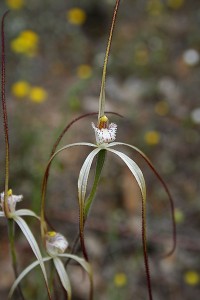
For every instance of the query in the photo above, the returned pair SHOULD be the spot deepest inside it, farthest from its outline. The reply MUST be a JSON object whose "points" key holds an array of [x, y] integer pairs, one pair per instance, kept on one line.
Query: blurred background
{"points": [[54, 58]]}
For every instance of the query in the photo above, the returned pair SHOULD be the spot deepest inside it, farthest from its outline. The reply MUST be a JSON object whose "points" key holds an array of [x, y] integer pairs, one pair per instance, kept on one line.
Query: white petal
{"points": [[63, 276], [84, 174], [28, 234], [23, 274], [2, 214], [135, 170], [26, 212], [81, 261], [71, 145]]}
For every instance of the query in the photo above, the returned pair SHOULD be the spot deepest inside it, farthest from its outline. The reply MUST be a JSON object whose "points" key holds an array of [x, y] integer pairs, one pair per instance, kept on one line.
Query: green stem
{"points": [[11, 235]]}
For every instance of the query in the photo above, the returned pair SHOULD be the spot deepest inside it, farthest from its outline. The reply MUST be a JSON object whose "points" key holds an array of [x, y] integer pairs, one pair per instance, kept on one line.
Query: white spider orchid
{"points": [[16, 215], [56, 244], [105, 142]]}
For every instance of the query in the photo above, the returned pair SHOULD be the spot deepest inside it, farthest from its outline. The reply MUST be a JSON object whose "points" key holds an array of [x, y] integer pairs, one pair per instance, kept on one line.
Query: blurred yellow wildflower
{"points": [[162, 108], [192, 278], [20, 89], [120, 279], [26, 43], [37, 94], [15, 4], [76, 16], [84, 71], [175, 4], [141, 56], [155, 7], [152, 137], [179, 216]]}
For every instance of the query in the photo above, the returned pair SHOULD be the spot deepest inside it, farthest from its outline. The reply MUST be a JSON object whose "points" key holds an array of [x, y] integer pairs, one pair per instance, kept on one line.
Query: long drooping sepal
{"points": [[29, 236], [102, 91], [82, 187], [86, 266], [99, 166], [88, 203], [64, 278], [5, 117], [171, 201], [26, 212], [137, 173], [44, 183], [24, 273]]}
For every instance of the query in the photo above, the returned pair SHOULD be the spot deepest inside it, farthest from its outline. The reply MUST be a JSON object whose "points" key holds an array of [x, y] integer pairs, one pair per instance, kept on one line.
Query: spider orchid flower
{"points": [[105, 142], [16, 216], [56, 245]]}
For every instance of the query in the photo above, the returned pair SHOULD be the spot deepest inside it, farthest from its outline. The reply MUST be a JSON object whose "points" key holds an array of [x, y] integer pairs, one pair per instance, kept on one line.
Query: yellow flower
{"points": [[120, 279], [37, 94], [141, 56], [84, 71], [152, 137], [192, 278], [162, 108], [76, 16], [15, 4], [26, 43], [175, 4], [155, 7], [179, 216], [20, 89]]}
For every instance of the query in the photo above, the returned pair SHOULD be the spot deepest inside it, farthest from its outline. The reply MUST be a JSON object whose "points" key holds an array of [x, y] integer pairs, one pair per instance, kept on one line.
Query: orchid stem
{"points": [[5, 116], [11, 234], [103, 81]]}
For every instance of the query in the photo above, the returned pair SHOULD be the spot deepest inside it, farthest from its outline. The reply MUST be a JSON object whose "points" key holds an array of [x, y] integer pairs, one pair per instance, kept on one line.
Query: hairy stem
{"points": [[5, 117], [11, 235], [145, 253]]}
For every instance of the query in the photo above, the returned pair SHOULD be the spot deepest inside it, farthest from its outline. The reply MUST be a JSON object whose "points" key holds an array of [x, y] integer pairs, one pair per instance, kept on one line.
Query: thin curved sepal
{"points": [[26, 213], [85, 265], [138, 175], [34, 246], [24, 273], [171, 201], [64, 278], [82, 188], [44, 183], [99, 166]]}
